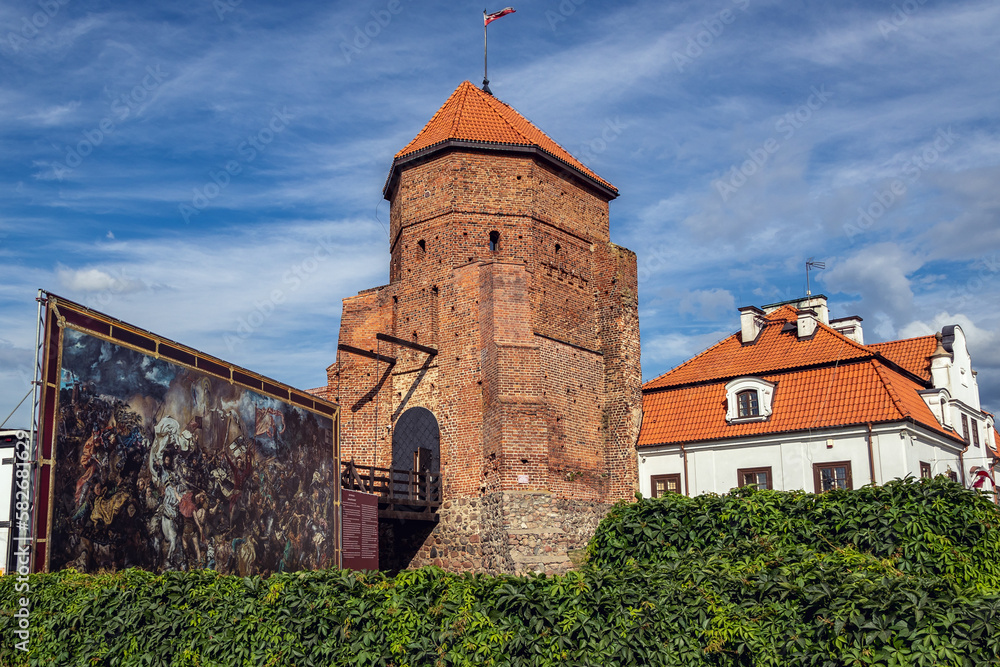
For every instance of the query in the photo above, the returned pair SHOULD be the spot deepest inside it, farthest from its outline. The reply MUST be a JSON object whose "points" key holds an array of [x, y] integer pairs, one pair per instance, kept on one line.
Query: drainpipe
{"points": [[961, 463], [871, 454], [684, 453]]}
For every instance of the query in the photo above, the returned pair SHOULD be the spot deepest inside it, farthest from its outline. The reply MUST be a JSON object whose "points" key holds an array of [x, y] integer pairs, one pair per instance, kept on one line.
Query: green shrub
{"points": [[755, 578]]}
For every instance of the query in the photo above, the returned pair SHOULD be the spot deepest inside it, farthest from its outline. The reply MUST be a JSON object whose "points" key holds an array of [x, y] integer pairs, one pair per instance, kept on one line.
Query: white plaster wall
{"points": [[917, 449], [963, 384], [713, 466], [668, 462]]}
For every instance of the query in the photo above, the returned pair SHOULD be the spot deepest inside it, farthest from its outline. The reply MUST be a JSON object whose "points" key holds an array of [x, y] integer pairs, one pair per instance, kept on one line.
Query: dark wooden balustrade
{"points": [[402, 494]]}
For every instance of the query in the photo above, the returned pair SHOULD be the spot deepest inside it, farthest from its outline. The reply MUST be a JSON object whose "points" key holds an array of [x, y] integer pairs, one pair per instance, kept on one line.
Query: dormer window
{"points": [[748, 403], [748, 399]]}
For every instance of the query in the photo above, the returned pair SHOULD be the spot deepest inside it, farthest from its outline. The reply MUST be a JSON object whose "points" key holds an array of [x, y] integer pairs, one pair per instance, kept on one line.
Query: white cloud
{"points": [[711, 304], [879, 274]]}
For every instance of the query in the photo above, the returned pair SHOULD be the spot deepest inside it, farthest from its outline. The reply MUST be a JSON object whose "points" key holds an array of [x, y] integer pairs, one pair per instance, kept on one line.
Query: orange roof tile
{"points": [[775, 349], [858, 392], [473, 115], [912, 354]]}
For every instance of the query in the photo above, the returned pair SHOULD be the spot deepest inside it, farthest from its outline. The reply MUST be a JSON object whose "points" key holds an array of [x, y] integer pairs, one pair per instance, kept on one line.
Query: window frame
{"points": [[819, 467], [740, 472], [975, 432], [666, 478], [765, 399], [752, 403], [925, 470], [965, 429]]}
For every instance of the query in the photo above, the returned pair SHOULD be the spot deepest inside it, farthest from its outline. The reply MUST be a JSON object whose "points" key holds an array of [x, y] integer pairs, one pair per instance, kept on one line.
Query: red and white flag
{"points": [[490, 18]]}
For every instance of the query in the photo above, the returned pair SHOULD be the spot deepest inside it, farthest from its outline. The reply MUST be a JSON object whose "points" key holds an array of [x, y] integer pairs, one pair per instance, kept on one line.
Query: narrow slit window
{"points": [[423, 245], [494, 241]]}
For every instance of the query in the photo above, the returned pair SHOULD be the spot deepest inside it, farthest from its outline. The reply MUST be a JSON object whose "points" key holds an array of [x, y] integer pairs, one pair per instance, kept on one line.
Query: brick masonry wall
{"points": [[510, 532], [536, 383]]}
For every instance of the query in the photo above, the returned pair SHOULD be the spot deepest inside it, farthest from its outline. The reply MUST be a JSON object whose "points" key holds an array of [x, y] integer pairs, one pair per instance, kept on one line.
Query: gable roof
{"points": [[912, 354], [473, 118], [822, 381], [865, 392], [774, 349]]}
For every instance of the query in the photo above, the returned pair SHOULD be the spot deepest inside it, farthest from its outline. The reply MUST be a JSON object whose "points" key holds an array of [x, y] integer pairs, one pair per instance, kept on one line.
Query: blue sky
{"points": [[744, 136]]}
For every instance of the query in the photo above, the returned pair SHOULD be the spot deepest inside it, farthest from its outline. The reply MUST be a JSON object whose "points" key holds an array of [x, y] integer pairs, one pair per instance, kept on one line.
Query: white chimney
{"points": [[818, 304], [807, 322], [849, 327], [941, 365], [751, 322]]}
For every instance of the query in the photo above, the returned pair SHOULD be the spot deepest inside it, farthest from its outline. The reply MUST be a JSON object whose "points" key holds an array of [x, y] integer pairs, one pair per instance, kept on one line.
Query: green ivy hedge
{"points": [[925, 527], [904, 574]]}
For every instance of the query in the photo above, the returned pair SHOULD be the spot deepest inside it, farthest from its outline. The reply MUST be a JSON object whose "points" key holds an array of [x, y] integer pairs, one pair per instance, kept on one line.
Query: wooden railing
{"points": [[402, 493]]}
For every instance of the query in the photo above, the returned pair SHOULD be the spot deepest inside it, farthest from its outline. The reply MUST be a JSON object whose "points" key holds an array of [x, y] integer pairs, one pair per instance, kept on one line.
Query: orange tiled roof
{"points": [[912, 354], [858, 392], [473, 115], [824, 381], [996, 444], [775, 349]]}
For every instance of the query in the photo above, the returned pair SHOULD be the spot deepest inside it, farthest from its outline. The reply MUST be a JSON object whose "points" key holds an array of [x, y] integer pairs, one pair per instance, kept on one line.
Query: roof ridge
{"points": [[461, 105], [850, 341], [881, 370], [527, 140], [692, 359], [437, 113], [903, 340]]}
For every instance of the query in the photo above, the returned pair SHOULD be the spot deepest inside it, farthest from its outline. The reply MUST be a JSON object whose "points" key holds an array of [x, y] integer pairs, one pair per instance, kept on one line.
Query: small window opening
{"points": [[749, 403], [423, 245], [558, 247], [494, 241]]}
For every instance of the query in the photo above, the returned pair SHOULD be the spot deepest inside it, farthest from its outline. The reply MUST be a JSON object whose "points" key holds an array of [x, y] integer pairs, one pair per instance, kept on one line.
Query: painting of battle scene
{"points": [[165, 468]]}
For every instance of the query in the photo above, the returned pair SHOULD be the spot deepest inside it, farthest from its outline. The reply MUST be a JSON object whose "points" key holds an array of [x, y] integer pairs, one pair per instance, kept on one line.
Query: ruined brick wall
{"points": [[536, 383]]}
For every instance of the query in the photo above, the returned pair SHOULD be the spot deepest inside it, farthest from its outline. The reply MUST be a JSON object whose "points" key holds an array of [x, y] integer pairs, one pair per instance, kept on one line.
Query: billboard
{"points": [[154, 455]]}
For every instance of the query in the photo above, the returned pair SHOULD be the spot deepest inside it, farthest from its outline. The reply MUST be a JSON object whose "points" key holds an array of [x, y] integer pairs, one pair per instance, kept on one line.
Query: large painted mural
{"points": [[163, 467]]}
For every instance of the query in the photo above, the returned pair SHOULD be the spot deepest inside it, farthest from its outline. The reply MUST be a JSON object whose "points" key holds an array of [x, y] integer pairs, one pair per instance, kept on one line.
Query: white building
{"points": [[795, 400]]}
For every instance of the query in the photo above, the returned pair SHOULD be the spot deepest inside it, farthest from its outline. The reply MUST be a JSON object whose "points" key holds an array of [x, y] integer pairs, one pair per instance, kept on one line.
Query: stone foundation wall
{"points": [[511, 532]]}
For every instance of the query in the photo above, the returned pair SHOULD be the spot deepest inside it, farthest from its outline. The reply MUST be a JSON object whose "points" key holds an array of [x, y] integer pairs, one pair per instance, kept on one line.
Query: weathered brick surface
{"points": [[536, 384]]}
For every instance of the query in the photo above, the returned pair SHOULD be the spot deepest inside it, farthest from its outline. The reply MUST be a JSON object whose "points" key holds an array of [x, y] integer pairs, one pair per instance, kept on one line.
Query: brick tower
{"points": [[520, 382]]}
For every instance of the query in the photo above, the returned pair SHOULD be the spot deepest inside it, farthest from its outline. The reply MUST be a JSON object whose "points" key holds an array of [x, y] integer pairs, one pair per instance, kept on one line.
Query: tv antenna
{"points": [[811, 264]]}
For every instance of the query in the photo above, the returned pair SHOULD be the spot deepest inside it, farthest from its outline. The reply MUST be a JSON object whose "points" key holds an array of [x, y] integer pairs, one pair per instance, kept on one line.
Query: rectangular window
{"points": [[952, 475], [830, 476], [760, 477], [975, 433], [965, 427], [925, 470], [664, 484], [749, 405]]}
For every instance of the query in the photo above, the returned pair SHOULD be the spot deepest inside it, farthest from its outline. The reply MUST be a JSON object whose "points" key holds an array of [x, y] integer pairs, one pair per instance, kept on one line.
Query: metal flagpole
{"points": [[486, 80]]}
